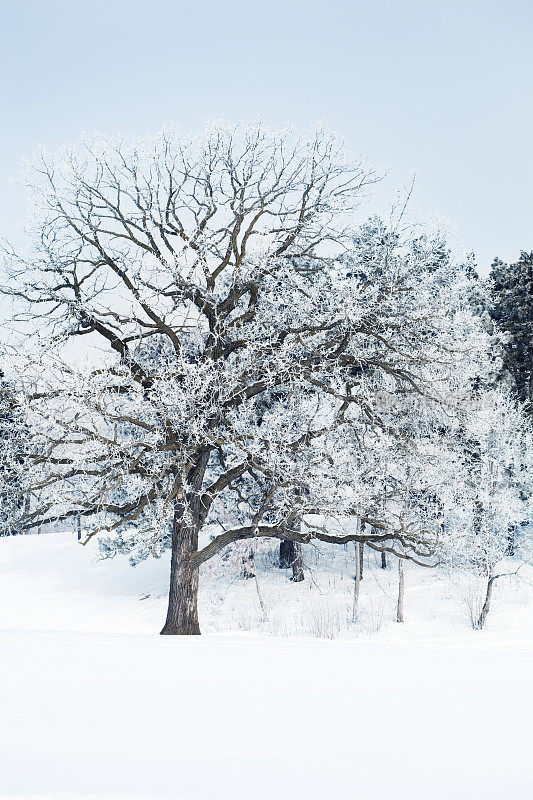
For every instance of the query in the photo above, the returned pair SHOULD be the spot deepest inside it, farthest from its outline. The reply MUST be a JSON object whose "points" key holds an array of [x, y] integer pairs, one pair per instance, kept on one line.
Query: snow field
{"points": [[96, 706]]}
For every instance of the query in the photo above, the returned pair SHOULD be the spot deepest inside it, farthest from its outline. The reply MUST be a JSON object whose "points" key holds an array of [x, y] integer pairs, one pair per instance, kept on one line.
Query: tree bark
{"points": [[182, 614], [384, 560], [357, 580], [297, 563], [285, 554], [401, 588], [480, 622], [260, 598], [290, 556]]}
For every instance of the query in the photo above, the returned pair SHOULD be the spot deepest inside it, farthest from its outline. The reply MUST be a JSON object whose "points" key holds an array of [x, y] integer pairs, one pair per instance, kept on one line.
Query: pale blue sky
{"points": [[441, 88]]}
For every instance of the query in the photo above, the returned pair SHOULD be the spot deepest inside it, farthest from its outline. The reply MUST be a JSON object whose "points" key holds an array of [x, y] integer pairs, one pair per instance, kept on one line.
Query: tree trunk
{"points": [[480, 622], [290, 556], [260, 598], [297, 563], [357, 580], [248, 565], [285, 553], [399, 610], [182, 614]]}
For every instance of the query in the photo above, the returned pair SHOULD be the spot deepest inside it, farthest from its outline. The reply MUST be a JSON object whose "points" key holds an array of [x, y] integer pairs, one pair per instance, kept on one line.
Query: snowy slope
{"points": [[94, 705]]}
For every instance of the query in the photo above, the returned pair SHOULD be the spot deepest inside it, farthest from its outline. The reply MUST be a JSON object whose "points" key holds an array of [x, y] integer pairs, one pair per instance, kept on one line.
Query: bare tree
{"points": [[478, 619]]}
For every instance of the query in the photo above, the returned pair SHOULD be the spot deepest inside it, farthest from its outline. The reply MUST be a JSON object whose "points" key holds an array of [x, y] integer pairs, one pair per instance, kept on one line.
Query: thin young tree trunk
{"points": [[260, 598], [357, 577], [480, 622], [399, 610], [248, 565], [384, 560], [357, 580], [182, 614], [250, 571], [297, 563]]}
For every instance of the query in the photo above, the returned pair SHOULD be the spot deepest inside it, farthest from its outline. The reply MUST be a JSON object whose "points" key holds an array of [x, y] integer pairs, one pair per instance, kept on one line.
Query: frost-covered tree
{"points": [[490, 491], [215, 270], [13, 444]]}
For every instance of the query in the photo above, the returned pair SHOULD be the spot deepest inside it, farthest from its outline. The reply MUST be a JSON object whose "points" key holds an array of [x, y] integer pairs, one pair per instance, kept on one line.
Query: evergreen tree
{"points": [[511, 308]]}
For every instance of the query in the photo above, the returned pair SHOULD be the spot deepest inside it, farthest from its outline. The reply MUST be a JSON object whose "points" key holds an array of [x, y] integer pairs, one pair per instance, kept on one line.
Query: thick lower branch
{"points": [[283, 532]]}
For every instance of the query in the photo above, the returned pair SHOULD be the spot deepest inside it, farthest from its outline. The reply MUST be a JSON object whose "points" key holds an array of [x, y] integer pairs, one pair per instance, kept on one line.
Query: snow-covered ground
{"points": [[95, 705]]}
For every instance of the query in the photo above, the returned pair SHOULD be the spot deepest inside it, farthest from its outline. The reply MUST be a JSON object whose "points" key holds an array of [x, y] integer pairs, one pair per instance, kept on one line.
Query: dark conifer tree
{"points": [[511, 307]]}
